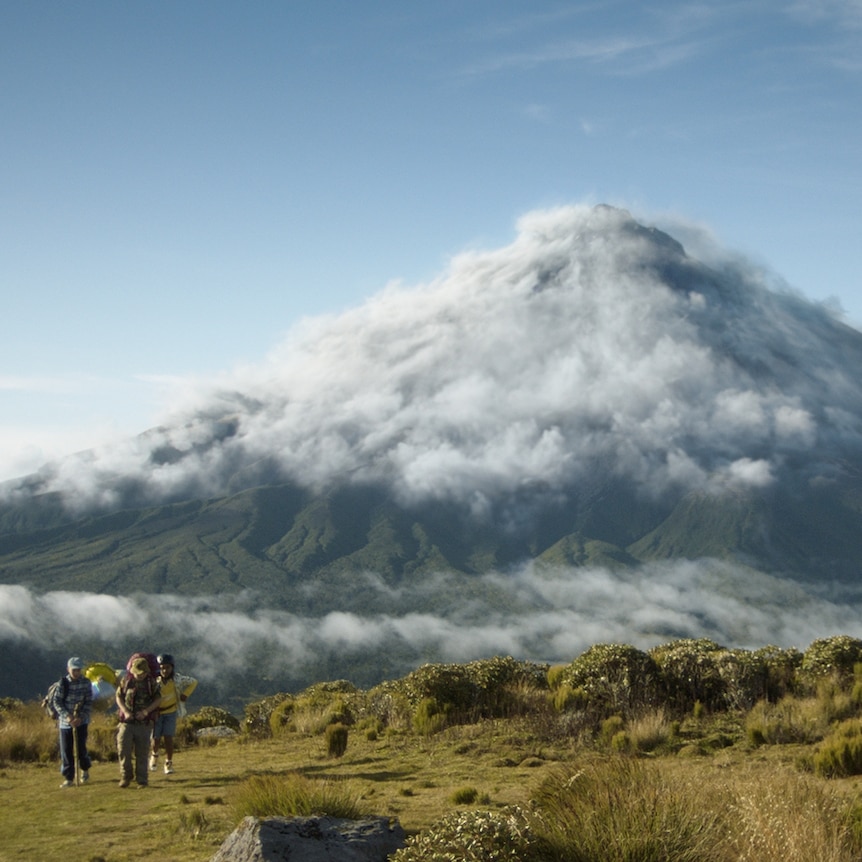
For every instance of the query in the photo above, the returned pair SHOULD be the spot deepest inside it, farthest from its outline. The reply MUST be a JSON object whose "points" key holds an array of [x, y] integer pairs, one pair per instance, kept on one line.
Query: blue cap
{"points": [[75, 662]]}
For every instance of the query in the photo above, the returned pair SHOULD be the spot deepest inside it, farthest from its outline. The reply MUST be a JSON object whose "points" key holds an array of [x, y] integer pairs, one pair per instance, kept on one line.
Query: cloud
{"points": [[589, 342], [553, 615]]}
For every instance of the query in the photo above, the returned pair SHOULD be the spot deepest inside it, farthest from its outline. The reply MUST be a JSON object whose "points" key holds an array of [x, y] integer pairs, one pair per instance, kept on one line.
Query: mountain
{"points": [[591, 403]]}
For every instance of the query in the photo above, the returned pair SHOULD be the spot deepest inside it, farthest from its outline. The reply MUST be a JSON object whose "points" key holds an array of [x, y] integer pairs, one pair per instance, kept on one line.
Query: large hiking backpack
{"points": [[61, 684], [152, 677], [152, 661]]}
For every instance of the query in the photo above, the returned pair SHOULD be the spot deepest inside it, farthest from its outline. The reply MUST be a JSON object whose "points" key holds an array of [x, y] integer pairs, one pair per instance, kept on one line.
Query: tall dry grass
{"points": [[294, 795], [626, 809], [789, 817], [623, 809]]}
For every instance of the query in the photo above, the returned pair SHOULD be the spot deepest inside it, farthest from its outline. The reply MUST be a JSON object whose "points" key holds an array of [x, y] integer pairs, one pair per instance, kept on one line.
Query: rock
{"points": [[311, 839], [220, 731]]}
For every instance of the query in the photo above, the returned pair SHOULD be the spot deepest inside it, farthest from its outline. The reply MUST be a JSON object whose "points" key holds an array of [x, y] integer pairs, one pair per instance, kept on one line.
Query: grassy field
{"points": [[186, 816], [588, 762]]}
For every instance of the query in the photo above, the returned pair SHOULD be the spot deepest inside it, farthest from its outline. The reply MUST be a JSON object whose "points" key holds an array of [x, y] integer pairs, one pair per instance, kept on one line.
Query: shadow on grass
{"points": [[342, 775]]}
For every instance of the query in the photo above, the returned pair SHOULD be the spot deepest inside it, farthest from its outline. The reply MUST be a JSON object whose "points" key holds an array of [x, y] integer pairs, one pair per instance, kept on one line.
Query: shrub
{"points": [[791, 720], [389, 705], [566, 699], [617, 678], [691, 672], [503, 685], [257, 714], [325, 703], [621, 742], [336, 740], [444, 683], [314, 715], [745, 678], [782, 666], [474, 836], [840, 753], [429, 718], [281, 717], [830, 657], [556, 674], [610, 728]]}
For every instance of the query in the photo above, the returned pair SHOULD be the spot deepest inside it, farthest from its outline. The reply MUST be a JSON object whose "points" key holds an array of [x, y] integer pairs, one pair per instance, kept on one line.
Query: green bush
{"points": [[281, 717], [621, 742], [474, 836], [840, 753], [556, 676], [430, 717], [691, 672], [500, 683], [610, 727], [444, 683], [745, 676], [617, 678], [566, 699], [257, 714], [830, 657], [782, 667], [789, 721]]}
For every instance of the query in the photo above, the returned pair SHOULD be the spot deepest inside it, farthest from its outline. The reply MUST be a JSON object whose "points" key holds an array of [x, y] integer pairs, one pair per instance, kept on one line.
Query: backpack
{"points": [[152, 661], [48, 701], [128, 681]]}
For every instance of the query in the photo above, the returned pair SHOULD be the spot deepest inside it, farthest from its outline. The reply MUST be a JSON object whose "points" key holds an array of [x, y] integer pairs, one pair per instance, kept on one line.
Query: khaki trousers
{"points": [[133, 741]]}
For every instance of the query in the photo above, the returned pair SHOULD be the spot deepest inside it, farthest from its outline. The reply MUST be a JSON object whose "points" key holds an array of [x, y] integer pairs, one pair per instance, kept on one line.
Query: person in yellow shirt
{"points": [[175, 689]]}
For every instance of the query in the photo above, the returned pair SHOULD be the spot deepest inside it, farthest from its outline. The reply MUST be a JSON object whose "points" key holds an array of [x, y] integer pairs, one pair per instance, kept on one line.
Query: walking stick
{"points": [[75, 712]]}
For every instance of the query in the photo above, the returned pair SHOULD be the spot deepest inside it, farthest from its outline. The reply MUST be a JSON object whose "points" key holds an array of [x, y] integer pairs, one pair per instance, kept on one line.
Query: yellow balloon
{"points": [[100, 670]]}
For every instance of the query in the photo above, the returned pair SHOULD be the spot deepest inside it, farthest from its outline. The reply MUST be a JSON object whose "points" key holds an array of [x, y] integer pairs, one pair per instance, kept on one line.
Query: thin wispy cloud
{"points": [[659, 39]]}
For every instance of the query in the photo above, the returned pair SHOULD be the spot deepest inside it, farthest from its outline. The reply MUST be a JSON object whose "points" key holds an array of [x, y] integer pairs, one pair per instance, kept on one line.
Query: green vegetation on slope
{"points": [[640, 760]]}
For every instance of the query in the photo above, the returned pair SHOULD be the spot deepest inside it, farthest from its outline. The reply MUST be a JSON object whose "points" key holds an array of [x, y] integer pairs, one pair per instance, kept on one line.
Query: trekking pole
{"points": [[75, 712]]}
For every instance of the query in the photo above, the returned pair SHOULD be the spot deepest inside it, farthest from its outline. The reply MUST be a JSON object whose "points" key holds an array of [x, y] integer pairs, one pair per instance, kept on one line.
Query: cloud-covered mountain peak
{"points": [[591, 342]]}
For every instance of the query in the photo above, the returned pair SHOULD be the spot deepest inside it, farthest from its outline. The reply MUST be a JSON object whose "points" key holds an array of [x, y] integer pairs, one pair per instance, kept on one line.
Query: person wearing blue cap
{"points": [[73, 701]]}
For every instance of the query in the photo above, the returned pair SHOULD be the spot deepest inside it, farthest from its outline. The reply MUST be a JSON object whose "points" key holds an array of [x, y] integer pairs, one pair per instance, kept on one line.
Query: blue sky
{"points": [[181, 183]]}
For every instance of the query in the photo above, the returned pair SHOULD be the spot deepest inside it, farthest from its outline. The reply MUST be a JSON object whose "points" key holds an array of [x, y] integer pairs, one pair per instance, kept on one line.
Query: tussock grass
{"points": [[787, 816], [622, 809], [294, 795]]}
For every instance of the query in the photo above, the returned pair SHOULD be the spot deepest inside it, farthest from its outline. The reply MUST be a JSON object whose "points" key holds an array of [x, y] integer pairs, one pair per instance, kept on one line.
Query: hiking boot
{"points": [[85, 777], [68, 783], [154, 762], [169, 767], [124, 782]]}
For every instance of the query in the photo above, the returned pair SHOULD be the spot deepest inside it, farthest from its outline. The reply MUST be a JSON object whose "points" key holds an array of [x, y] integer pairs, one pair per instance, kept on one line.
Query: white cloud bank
{"points": [[588, 340], [565, 612]]}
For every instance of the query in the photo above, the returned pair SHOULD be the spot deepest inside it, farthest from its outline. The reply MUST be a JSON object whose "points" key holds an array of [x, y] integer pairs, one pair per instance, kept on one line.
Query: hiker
{"points": [[72, 703], [175, 689], [138, 701]]}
